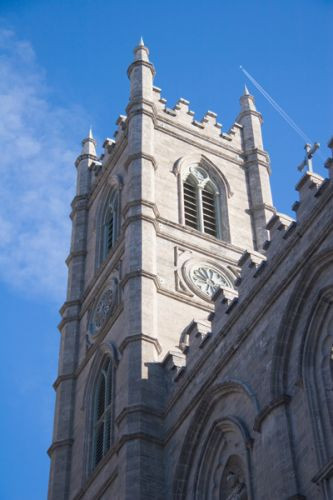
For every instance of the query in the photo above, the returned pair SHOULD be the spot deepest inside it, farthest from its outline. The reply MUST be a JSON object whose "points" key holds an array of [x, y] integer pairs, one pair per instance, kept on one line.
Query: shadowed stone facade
{"points": [[193, 366]]}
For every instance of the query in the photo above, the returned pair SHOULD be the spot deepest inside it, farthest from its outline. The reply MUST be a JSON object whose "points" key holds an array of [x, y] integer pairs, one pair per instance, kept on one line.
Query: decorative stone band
{"points": [[85, 157], [141, 63]]}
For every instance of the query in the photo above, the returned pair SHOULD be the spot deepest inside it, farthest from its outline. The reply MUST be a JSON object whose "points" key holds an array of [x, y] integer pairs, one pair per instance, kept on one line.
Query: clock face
{"points": [[208, 280], [103, 309]]}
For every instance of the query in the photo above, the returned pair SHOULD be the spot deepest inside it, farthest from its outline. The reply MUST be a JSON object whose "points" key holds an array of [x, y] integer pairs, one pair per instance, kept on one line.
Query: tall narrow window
{"points": [[201, 202], [102, 413], [109, 228]]}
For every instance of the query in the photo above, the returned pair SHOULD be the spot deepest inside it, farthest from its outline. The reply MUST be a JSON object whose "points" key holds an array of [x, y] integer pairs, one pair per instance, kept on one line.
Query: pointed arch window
{"points": [[109, 225], [201, 202], [102, 413]]}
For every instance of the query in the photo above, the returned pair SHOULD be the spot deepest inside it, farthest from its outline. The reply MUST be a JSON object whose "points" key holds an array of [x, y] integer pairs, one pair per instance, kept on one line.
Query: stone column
{"points": [[60, 450], [138, 422]]}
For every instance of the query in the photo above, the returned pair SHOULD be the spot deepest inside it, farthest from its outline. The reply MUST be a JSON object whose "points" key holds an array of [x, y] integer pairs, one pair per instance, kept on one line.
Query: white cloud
{"points": [[38, 146]]}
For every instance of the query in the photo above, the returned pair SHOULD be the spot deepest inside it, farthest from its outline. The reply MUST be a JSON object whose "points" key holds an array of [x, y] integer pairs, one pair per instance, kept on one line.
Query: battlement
{"points": [[183, 115]]}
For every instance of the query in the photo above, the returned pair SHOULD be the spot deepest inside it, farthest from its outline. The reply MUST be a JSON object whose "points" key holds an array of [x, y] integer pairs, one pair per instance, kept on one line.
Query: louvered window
{"points": [[109, 226], [208, 212], [110, 231], [102, 413], [190, 205], [201, 202]]}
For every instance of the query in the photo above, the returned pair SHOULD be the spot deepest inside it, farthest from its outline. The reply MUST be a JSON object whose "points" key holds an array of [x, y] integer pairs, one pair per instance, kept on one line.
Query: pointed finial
{"points": [[246, 90], [89, 144], [141, 52]]}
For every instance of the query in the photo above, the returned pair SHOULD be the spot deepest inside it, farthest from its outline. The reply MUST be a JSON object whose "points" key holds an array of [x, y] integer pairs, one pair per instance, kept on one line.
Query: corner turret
{"points": [[141, 73], [83, 162], [256, 162]]}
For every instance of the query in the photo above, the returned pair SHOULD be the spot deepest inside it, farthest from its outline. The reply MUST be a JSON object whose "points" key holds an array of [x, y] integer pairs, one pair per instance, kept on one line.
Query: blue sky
{"points": [[63, 67]]}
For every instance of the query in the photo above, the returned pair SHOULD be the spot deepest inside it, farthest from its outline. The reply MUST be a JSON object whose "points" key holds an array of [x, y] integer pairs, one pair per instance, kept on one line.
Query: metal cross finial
{"points": [[309, 152]]}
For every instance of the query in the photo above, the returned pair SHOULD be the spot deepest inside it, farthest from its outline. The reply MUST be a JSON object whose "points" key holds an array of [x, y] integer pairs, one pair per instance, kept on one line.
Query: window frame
{"points": [[200, 178], [111, 205], [106, 419]]}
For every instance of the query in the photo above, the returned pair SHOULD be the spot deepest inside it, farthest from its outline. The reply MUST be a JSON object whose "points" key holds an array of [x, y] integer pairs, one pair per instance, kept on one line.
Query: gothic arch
{"points": [[298, 306], [111, 194], [216, 462], [217, 183], [105, 350], [199, 159], [305, 342], [192, 443]]}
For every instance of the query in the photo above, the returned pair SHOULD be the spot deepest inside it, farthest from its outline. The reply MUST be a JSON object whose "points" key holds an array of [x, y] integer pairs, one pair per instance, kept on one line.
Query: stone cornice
{"points": [[130, 410], [68, 319], [59, 444], [74, 254], [146, 64], [134, 436], [185, 229], [68, 304], [86, 156], [140, 156], [247, 112], [141, 337], [141, 202]]}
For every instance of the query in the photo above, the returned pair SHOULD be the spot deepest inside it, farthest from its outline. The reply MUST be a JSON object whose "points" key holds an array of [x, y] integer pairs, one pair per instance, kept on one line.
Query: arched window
{"points": [[102, 413], [201, 202], [109, 229]]}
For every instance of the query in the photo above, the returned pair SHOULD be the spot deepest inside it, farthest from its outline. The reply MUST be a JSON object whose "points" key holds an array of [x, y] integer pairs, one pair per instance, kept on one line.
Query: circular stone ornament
{"points": [[208, 279], [102, 311]]}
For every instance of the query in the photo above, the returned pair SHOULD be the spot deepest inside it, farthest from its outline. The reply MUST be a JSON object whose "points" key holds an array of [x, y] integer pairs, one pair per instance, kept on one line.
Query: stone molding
{"points": [[86, 156], [147, 64], [59, 444], [129, 410], [141, 202], [63, 378], [140, 337], [140, 156], [324, 473], [284, 399]]}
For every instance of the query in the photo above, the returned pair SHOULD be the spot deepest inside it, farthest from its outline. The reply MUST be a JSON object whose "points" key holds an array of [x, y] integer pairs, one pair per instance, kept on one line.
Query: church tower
{"points": [[159, 223]]}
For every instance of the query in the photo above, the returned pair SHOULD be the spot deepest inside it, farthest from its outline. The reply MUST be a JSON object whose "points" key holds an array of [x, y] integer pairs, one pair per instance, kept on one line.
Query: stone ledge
{"points": [[59, 444]]}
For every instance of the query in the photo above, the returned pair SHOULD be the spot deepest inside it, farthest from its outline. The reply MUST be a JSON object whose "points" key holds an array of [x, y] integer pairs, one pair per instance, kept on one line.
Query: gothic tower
{"points": [[159, 223]]}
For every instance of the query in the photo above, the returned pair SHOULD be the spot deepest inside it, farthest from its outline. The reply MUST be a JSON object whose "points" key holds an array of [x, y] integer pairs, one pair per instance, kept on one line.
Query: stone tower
{"points": [[159, 223]]}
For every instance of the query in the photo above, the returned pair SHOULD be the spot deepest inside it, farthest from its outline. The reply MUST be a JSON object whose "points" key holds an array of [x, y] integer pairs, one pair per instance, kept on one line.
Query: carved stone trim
{"points": [[140, 338], [284, 399], [140, 156]]}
